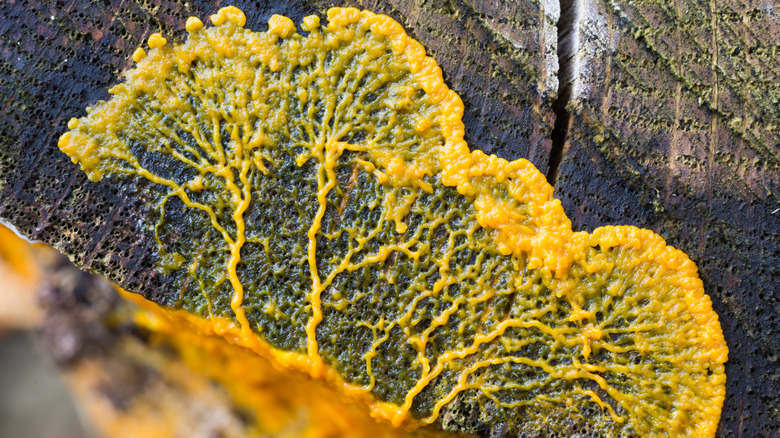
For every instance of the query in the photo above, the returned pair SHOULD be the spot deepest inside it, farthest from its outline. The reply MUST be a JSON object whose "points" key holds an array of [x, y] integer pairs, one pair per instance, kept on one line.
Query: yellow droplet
{"points": [[281, 26], [62, 143], [229, 14], [193, 24], [139, 54], [156, 41], [310, 23]]}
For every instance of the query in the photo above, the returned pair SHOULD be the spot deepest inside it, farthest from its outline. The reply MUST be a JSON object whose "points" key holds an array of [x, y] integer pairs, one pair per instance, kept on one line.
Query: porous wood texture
{"points": [[675, 128]]}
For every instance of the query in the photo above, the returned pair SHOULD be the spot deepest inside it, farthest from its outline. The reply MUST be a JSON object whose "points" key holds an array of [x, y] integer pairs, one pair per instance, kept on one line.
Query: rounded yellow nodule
{"points": [[310, 23], [139, 54], [193, 24], [281, 26], [64, 139], [156, 41], [229, 14]]}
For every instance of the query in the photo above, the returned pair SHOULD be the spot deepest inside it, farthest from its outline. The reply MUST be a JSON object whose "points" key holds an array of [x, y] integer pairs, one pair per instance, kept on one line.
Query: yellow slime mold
{"points": [[282, 405], [361, 241]]}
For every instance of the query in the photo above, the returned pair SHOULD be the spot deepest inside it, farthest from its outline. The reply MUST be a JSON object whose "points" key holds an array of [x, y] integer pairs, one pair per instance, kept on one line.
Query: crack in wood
{"points": [[567, 50]]}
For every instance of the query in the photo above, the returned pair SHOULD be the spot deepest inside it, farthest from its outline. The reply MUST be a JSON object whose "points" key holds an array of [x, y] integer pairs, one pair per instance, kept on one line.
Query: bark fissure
{"points": [[567, 50]]}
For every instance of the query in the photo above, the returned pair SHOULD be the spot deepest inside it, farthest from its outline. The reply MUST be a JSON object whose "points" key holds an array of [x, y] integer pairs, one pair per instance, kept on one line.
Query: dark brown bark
{"points": [[653, 143]]}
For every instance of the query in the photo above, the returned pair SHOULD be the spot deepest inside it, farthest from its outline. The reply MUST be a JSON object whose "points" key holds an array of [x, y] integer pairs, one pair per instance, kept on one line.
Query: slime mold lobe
{"points": [[345, 228]]}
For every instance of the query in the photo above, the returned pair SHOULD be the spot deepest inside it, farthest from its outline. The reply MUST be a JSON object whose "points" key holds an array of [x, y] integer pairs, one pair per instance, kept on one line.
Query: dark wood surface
{"points": [[653, 142], [669, 130]]}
